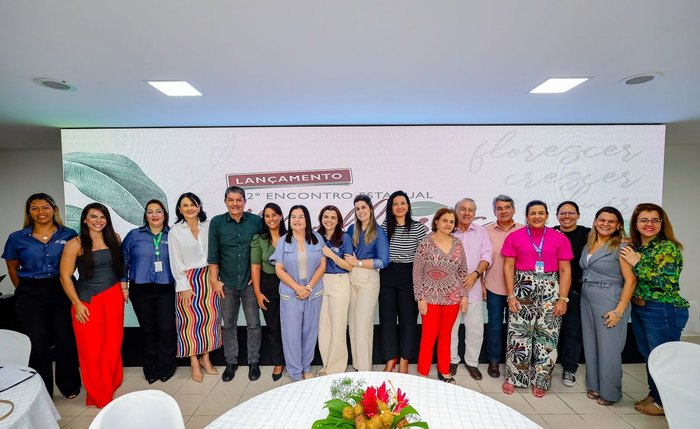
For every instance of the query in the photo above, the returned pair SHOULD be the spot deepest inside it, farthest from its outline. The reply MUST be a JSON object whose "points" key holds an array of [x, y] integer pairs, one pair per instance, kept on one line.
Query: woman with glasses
{"points": [[607, 287], [152, 291], [659, 312]]}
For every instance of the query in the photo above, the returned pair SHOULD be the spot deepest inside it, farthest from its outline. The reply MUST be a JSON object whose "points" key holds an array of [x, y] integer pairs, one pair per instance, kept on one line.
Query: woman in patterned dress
{"points": [[197, 312]]}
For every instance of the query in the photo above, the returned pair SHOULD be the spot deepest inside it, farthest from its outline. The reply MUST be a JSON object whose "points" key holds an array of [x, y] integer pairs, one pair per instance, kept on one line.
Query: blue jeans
{"points": [[230, 306], [654, 324], [496, 306]]}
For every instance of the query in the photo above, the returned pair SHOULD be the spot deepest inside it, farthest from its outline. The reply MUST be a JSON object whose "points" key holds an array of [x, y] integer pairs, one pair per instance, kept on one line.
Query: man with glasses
{"points": [[570, 335], [496, 295]]}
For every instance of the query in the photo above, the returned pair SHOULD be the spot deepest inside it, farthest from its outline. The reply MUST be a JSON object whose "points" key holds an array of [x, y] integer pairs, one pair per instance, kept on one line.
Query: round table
{"points": [[33, 405], [441, 405]]}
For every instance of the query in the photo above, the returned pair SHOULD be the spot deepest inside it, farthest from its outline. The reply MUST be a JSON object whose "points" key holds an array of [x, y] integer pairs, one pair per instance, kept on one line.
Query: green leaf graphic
{"points": [[73, 217], [425, 208], [114, 180]]}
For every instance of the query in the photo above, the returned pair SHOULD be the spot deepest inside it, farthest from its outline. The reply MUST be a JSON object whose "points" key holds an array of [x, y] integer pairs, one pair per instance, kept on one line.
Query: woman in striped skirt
{"points": [[197, 312]]}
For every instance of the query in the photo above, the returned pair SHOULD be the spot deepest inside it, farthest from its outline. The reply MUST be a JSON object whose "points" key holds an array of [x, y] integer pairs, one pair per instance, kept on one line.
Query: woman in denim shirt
{"points": [[371, 254], [300, 264]]}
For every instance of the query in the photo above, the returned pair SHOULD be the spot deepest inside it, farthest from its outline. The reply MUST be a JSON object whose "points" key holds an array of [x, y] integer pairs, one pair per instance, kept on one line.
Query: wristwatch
{"points": [[359, 264], [564, 298]]}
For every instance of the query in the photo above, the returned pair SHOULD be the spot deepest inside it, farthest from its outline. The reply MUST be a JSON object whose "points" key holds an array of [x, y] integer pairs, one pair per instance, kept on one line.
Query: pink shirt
{"points": [[494, 275], [478, 248], [556, 247]]}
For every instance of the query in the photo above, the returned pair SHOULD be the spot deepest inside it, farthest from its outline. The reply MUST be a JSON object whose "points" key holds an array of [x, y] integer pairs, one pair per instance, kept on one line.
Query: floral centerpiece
{"points": [[374, 407]]}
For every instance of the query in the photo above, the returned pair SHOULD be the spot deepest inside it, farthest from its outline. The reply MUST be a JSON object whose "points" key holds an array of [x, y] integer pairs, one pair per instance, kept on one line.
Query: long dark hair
{"points": [[391, 219], [28, 221], [109, 237], [309, 235], [195, 199], [337, 236], [266, 229], [666, 232], [166, 216]]}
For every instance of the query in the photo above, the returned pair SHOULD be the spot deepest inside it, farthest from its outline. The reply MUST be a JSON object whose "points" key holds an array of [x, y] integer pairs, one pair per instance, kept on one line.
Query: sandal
{"points": [[650, 409], [537, 392], [389, 367], [604, 402], [450, 380], [211, 370], [646, 400], [591, 394], [508, 388], [73, 395]]}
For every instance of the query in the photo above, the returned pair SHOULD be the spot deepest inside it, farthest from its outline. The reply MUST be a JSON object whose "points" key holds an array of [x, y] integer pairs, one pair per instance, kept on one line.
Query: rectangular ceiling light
{"points": [[557, 85], [175, 88]]}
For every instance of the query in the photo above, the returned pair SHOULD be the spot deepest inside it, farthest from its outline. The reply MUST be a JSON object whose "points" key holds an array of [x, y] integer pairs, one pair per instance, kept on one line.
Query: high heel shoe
{"points": [[389, 367], [211, 370], [403, 366], [277, 375], [197, 376]]}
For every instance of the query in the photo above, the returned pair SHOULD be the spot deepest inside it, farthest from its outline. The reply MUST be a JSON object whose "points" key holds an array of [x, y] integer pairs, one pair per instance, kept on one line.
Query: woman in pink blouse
{"points": [[439, 270]]}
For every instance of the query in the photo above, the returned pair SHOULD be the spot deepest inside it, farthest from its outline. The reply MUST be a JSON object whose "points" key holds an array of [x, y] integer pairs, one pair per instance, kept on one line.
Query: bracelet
{"points": [[510, 297], [619, 316]]}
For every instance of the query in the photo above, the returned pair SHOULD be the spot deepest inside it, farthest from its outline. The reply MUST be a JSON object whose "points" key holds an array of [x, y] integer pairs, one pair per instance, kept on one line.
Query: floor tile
{"points": [[640, 421], [188, 402], [582, 405], [558, 421], [606, 421], [199, 422], [549, 404], [515, 401], [81, 422]]}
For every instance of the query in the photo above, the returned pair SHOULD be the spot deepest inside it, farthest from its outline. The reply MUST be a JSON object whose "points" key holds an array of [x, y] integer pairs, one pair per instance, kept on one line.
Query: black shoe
{"points": [[151, 380], [276, 377], [167, 377], [229, 372], [253, 371], [453, 368]]}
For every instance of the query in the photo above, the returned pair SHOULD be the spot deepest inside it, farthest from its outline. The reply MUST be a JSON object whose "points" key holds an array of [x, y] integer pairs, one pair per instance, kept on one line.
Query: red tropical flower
{"points": [[383, 394], [369, 402], [401, 401]]}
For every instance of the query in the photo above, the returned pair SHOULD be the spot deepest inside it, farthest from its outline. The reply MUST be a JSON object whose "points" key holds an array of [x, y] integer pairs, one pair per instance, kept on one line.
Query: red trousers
{"points": [[100, 345], [437, 324]]}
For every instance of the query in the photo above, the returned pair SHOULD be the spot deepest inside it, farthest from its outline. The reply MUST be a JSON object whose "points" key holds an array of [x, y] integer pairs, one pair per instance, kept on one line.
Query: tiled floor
{"points": [[562, 407]]}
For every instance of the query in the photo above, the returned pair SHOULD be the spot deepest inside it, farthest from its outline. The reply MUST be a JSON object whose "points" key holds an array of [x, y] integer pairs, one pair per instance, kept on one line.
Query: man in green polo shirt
{"points": [[230, 235]]}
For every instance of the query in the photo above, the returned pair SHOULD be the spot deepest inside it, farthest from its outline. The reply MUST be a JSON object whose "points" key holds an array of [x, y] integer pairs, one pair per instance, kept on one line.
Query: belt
{"points": [[638, 301]]}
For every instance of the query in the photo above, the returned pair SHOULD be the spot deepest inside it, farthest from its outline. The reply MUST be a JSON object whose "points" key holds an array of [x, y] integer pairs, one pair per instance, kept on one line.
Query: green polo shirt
{"points": [[260, 251], [229, 247]]}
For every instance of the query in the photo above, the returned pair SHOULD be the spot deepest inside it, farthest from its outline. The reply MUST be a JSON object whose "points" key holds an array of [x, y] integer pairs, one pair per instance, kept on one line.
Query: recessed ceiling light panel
{"points": [[175, 88], [558, 85], [60, 85]]}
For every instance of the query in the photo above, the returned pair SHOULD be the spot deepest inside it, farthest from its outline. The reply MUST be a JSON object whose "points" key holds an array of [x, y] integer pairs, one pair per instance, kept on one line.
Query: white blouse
{"points": [[187, 252]]}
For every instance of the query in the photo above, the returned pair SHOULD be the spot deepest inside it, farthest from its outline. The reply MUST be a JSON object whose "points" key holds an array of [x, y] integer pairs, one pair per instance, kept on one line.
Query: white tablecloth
{"points": [[441, 405], [34, 408]]}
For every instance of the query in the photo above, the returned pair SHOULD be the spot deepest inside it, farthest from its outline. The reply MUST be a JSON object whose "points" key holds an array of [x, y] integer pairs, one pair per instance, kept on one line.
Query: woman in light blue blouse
{"points": [[371, 254], [152, 291], [300, 264]]}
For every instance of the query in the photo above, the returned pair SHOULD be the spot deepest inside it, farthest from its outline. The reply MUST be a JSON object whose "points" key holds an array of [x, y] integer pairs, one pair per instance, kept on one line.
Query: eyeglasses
{"points": [[154, 213], [567, 213], [654, 221]]}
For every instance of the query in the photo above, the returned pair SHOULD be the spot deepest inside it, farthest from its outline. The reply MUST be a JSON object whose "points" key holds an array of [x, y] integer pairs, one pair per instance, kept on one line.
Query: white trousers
{"points": [[364, 293], [332, 328], [473, 333]]}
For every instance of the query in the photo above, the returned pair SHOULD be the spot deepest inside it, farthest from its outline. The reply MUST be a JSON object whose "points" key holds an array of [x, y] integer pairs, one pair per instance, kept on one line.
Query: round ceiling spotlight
{"points": [[60, 85], [640, 78]]}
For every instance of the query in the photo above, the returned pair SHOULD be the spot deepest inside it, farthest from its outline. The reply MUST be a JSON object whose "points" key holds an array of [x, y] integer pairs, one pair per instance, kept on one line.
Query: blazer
{"points": [[602, 267]]}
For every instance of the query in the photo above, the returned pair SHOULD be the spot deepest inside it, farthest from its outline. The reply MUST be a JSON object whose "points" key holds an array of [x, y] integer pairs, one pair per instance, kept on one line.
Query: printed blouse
{"points": [[438, 277], [658, 272]]}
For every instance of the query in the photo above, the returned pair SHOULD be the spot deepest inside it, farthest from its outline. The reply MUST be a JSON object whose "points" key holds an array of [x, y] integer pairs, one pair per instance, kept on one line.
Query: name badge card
{"points": [[158, 265], [539, 267]]}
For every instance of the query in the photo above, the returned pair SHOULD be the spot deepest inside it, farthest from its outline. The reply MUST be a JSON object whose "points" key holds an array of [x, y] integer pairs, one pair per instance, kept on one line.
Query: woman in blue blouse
{"points": [[152, 290], [32, 256], [300, 264], [333, 326], [371, 254]]}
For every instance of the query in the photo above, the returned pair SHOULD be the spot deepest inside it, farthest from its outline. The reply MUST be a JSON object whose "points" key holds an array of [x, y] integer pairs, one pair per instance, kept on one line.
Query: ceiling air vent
{"points": [[60, 85]]}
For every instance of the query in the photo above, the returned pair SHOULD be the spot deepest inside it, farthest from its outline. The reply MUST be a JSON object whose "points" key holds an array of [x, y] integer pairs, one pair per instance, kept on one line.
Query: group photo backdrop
{"points": [[594, 165]]}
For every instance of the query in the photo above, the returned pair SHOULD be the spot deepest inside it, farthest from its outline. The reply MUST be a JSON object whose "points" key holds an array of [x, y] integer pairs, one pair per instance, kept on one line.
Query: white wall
{"points": [[23, 172]]}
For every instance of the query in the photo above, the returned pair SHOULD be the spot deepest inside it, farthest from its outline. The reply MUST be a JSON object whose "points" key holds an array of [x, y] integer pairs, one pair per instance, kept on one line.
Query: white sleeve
{"points": [[177, 266]]}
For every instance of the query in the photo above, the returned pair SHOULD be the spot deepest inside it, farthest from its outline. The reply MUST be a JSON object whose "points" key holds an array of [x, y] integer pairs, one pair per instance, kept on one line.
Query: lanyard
{"points": [[156, 243], [538, 249]]}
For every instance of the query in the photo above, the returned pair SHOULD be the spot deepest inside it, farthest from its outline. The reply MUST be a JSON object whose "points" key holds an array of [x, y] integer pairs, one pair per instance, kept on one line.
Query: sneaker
{"points": [[569, 379]]}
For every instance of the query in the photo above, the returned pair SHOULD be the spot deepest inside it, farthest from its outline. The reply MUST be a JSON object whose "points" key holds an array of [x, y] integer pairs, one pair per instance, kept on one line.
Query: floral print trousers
{"points": [[533, 331]]}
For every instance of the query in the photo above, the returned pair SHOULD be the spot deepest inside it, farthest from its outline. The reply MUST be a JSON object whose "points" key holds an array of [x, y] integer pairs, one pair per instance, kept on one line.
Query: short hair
{"points": [[235, 190], [166, 217], [470, 200], [195, 199], [309, 235], [536, 203], [571, 203], [503, 198], [439, 214]]}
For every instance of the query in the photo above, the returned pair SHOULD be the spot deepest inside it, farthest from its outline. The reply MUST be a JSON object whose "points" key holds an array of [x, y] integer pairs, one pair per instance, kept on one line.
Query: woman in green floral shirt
{"points": [[659, 312]]}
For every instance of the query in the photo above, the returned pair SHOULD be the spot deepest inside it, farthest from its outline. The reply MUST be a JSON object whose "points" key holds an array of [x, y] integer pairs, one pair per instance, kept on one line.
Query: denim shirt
{"points": [[287, 255], [345, 248], [36, 259], [139, 256], [377, 251]]}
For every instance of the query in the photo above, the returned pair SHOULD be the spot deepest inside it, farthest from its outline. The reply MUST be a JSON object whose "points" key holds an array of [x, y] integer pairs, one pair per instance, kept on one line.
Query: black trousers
{"points": [[397, 302], [269, 286], [43, 311], [154, 305], [570, 334]]}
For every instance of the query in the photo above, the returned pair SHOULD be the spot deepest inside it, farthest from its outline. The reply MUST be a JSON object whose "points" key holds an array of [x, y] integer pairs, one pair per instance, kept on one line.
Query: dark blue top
{"points": [[36, 259], [345, 248], [377, 250], [139, 255]]}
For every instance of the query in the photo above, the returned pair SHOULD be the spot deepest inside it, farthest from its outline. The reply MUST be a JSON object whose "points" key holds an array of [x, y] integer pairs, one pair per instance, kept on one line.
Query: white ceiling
{"points": [[308, 62]]}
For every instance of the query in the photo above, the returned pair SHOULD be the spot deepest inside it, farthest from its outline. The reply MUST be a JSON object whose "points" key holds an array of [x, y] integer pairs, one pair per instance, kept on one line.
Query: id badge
{"points": [[158, 266], [539, 267]]}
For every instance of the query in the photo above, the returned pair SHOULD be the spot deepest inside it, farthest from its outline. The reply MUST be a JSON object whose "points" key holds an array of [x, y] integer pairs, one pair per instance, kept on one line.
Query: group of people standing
{"points": [[188, 281]]}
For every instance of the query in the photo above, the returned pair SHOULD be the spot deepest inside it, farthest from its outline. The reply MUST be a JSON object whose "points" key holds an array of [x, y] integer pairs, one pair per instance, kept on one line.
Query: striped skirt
{"points": [[198, 324]]}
